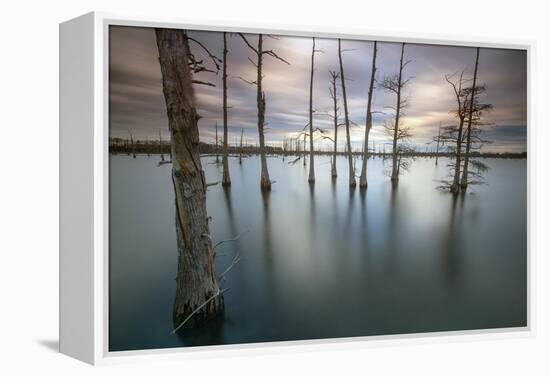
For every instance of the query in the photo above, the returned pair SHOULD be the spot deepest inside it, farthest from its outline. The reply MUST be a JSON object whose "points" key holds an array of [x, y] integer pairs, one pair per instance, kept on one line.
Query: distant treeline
{"points": [[123, 146]]}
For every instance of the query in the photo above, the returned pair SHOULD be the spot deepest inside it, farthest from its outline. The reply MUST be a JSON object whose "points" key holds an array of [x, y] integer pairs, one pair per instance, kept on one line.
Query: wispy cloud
{"points": [[136, 100]]}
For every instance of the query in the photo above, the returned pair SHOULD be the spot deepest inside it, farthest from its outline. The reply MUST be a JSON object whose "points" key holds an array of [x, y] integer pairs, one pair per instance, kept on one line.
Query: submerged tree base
{"points": [[191, 316], [265, 184]]}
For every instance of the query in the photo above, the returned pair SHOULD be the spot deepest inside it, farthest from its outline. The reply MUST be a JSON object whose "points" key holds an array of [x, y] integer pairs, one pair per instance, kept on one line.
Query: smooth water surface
{"points": [[322, 261]]}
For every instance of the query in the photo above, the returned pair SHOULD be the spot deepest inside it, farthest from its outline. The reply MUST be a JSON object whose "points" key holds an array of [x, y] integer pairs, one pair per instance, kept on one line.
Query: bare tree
{"points": [[464, 180], [198, 293], [265, 182], [395, 84], [368, 125], [333, 77], [473, 169], [453, 135], [346, 117], [311, 178], [403, 152], [226, 180], [464, 141]]}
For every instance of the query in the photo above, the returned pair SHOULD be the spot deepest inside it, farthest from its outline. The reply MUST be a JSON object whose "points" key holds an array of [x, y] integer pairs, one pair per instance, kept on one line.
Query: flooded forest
{"points": [[272, 188]]}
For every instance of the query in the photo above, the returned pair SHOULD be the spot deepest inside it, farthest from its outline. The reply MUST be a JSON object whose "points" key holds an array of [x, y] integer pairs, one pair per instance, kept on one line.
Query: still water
{"points": [[322, 261]]}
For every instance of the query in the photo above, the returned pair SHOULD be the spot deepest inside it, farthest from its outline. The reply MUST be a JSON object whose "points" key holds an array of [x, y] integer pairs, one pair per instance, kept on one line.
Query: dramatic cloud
{"points": [[137, 104]]}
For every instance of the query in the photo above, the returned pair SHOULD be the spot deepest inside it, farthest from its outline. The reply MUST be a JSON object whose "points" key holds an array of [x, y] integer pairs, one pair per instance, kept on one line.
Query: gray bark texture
{"points": [[196, 281]]}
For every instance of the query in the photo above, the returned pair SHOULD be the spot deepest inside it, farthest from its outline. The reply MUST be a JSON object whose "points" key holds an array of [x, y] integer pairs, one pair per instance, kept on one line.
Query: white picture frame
{"points": [[84, 190]]}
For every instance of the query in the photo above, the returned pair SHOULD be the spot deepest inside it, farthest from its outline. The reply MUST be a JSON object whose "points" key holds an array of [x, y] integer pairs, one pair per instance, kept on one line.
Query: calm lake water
{"points": [[323, 261]]}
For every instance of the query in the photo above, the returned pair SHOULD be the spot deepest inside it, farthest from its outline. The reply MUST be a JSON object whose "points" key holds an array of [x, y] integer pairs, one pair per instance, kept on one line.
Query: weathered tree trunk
{"points": [[311, 178], [352, 182], [334, 172], [395, 167], [363, 179], [226, 180], [455, 186], [464, 181], [265, 182], [196, 282]]}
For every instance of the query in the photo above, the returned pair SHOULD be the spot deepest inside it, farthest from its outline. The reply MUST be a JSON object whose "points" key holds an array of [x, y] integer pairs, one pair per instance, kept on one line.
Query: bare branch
{"points": [[199, 82], [248, 43], [212, 57], [219, 292], [273, 54], [245, 80]]}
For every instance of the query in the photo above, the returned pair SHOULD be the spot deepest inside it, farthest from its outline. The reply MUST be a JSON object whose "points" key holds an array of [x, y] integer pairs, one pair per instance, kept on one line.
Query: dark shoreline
{"points": [[207, 149]]}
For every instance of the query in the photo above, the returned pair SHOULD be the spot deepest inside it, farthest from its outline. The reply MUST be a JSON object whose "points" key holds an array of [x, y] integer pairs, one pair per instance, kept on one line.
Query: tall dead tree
{"points": [[454, 134], [395, 84], [463, 140], [265, 182], [198, 294], [311, 178], [352, 182], [464, 180], [333, 77], [226, 180], [368, 123]]}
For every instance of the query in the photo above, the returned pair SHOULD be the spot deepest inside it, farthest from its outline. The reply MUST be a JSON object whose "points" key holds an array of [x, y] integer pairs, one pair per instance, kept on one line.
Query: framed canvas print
{"points": [[227, 188]]}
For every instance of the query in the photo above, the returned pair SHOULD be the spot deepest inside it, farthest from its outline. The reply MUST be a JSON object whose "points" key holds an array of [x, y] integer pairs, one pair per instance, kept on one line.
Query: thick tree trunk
{"points": [[395, 167], [363, 179], [464, 181], [226, 180], [352, 182], [196, 282], [265, 182], [311, 178]]}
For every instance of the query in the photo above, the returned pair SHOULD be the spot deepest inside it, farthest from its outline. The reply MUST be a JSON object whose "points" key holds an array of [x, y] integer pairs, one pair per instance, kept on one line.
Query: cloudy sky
{"points": [[137, 103]]}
